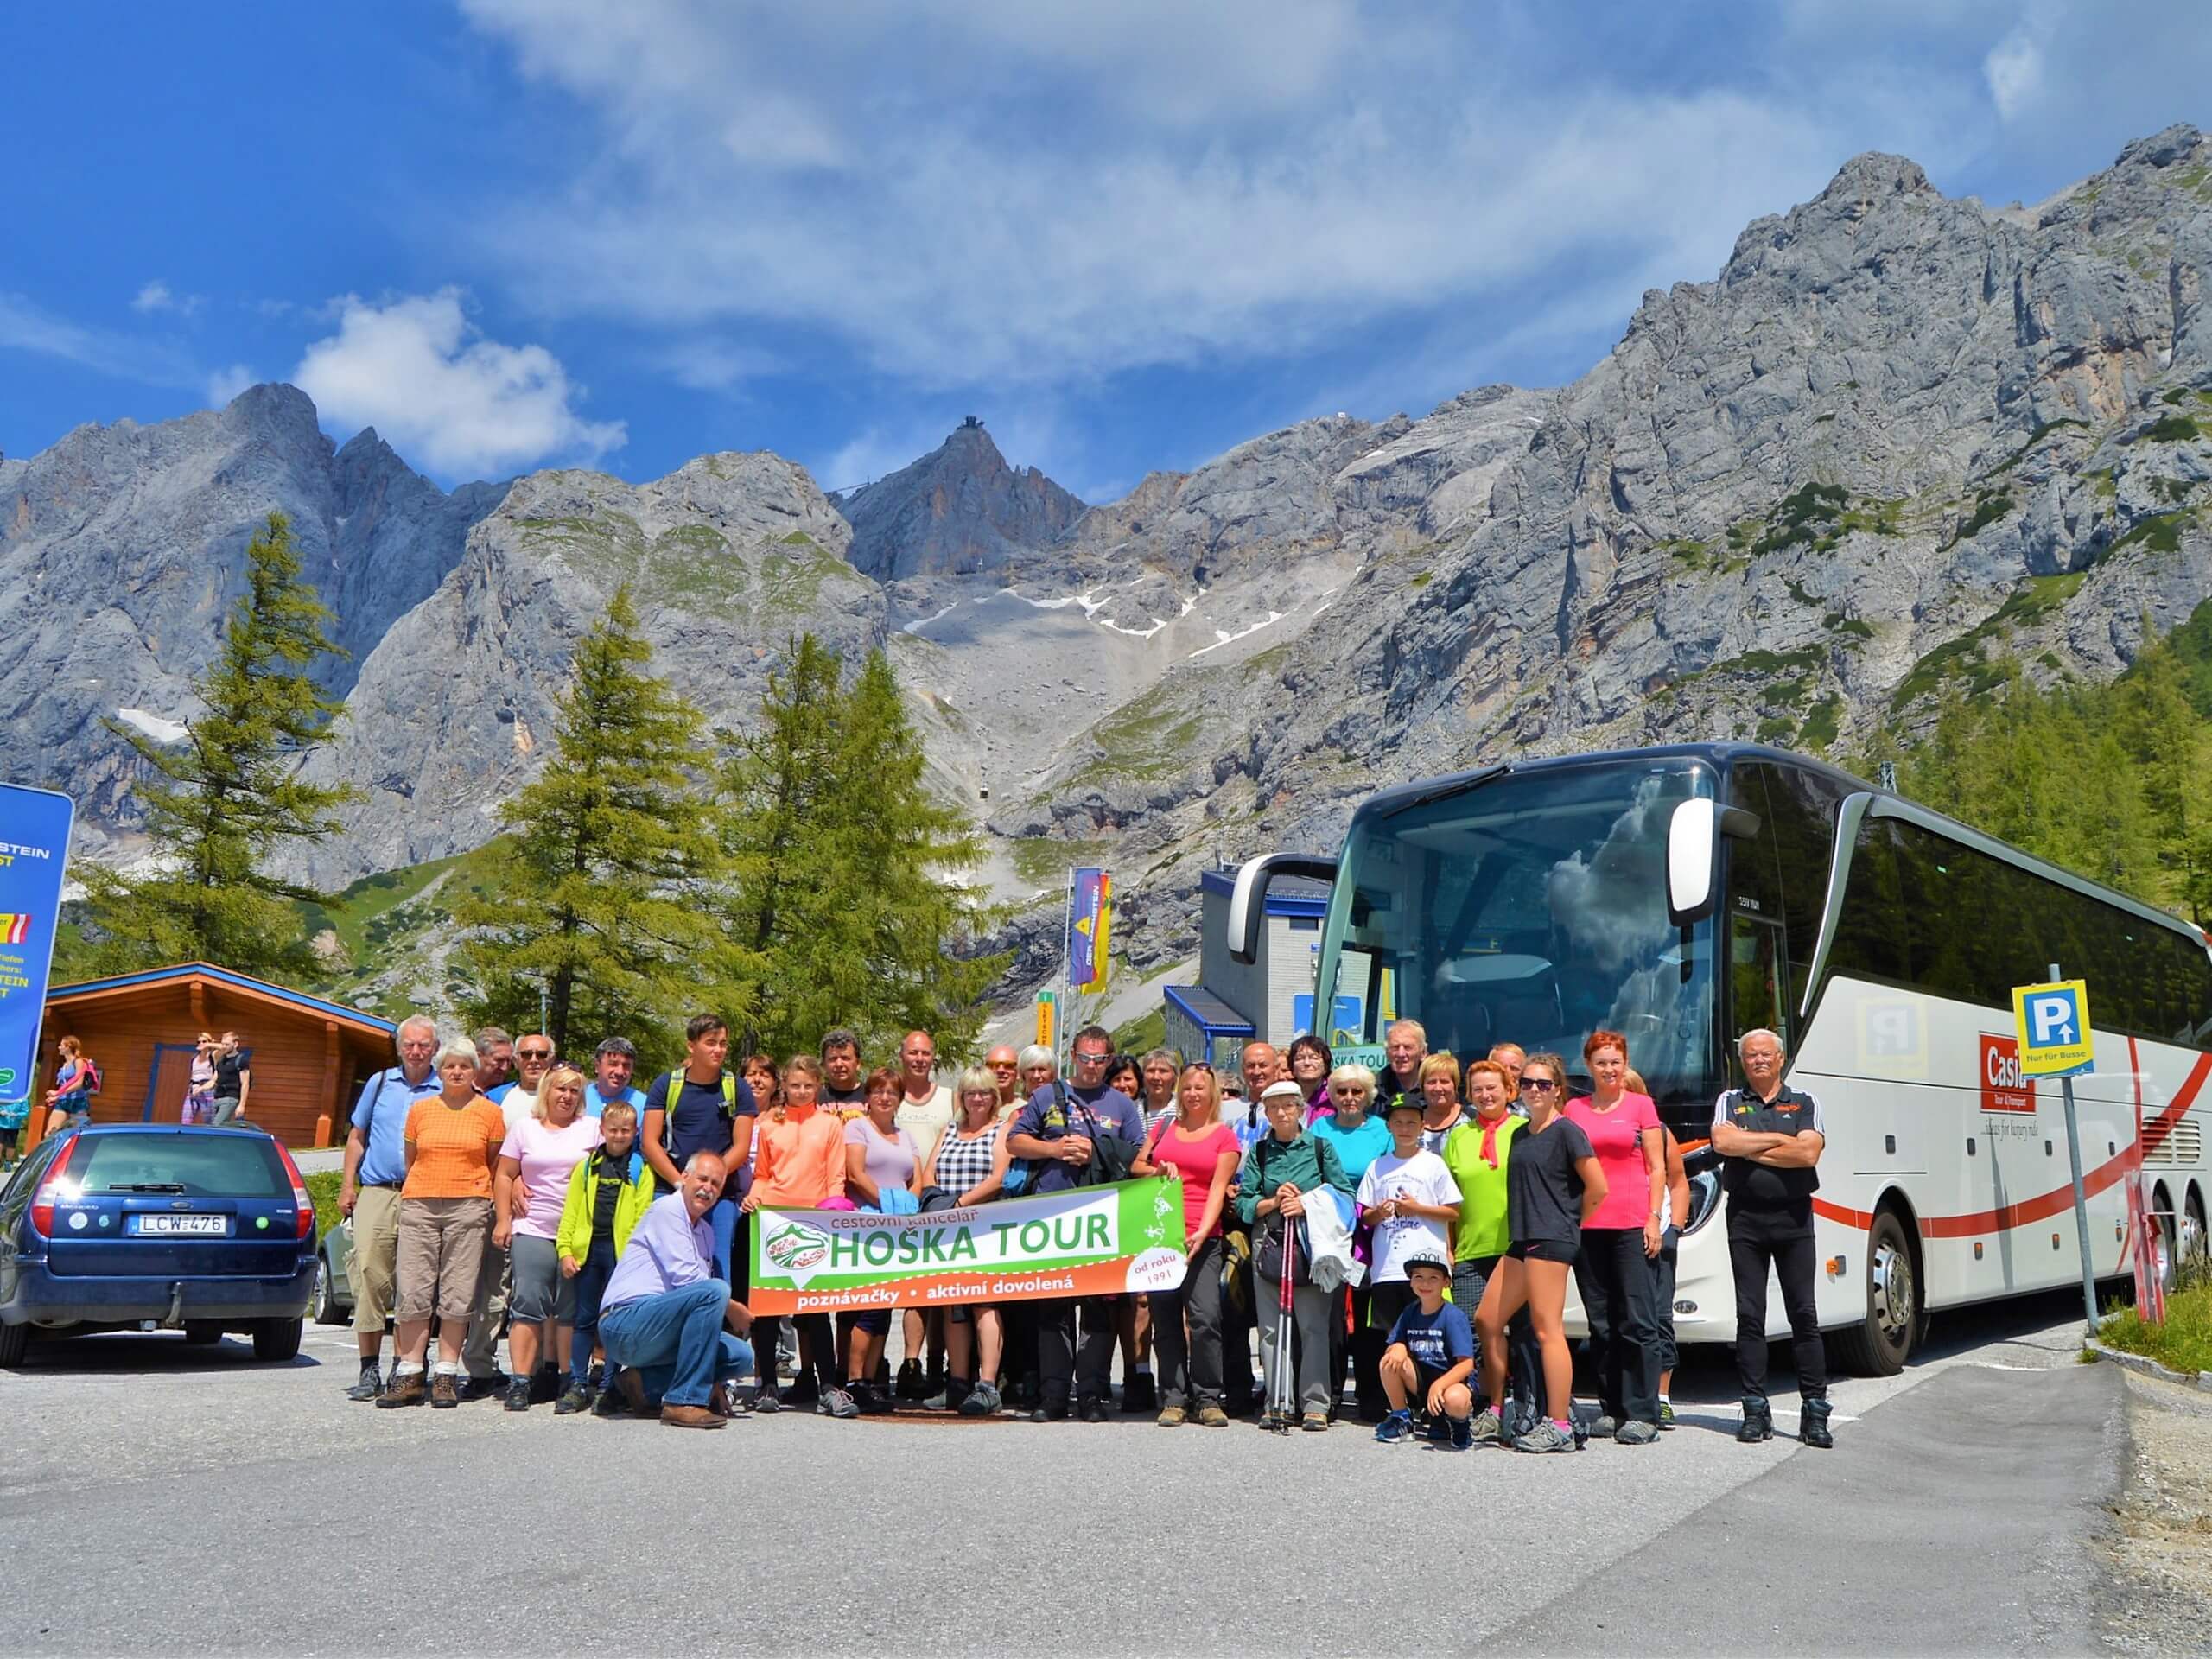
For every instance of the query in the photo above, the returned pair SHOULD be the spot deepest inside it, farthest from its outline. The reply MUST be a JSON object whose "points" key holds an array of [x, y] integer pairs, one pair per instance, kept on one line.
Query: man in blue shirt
{"points": [[368, 1191], [671, 1328], [1059, 1129], [614, 1063]]}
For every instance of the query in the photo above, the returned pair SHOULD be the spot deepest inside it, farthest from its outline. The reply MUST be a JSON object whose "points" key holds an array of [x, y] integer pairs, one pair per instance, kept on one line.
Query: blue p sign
{"points": [[2053, 1020], [2053, 1025]]}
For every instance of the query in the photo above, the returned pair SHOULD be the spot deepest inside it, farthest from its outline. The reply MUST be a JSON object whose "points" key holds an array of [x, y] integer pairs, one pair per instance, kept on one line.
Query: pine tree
{"points": [[221, 799], [593, 896], [840, 905]]}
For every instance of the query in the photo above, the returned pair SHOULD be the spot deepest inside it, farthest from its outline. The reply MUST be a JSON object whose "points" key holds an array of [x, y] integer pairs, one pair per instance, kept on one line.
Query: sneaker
{"points": [[608, 1403], [407, 1389], [370, 1384], [1395, 1428], [1315, 1422], [1637, 1434], [1141, 1393], [1437, 1431], [1212, 1417], [1485, 1428], [1462, 1436], [806, 1391], [1092, 1411], [518, 1395], [445, 1391], [576, 1398], [984, 1400], [1604, 1425], [767, 1400], [910, 1385], [1051, 1411], [1172, 1417], [835, 1402], [1545, 1436], [1666, 1417]]}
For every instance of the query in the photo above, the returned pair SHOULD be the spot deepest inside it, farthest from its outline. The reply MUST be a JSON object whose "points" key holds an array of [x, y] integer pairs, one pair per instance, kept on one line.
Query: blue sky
{"points": [[512, 233]]}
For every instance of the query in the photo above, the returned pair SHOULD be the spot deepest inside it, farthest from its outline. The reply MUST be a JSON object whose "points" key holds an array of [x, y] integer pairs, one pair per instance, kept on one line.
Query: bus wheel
{"points": [[2165, 1235], [1879, 1344], [2195, 1244]]}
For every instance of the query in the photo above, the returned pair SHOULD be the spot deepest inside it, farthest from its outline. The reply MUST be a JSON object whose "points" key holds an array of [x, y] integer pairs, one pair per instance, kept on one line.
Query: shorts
{"points": [[1544, 1249], [442, 1244], [876, 1321], [538, 1292], [1468, 1279]]}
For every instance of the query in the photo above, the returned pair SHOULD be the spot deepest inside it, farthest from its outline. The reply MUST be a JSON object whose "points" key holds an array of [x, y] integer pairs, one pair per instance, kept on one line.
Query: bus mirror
{"points": [[1690, 834], [1247, 900]]}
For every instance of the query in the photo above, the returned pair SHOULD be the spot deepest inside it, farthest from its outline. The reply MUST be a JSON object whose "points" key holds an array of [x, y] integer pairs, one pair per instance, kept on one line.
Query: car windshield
{"points": [[195, 1165], [1529, 909]]}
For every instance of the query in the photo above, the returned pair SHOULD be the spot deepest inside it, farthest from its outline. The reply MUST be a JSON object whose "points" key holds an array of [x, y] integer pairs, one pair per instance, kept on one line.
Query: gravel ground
{"points": [[2159, 1587]]}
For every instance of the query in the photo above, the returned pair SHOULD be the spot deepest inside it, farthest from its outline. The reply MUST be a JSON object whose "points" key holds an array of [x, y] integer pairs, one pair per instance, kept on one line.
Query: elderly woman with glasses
{"points": [[1282, 1168]]}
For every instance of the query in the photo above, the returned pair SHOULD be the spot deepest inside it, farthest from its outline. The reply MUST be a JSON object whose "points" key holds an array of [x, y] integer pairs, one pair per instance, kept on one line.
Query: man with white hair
{"points": [[1406, 1044], [672, 1331], [368, 1187], [1769, 1137]]}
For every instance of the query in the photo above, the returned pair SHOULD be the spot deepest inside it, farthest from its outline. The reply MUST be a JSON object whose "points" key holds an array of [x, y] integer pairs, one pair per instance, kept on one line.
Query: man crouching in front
{"points": [[661, 1319]]}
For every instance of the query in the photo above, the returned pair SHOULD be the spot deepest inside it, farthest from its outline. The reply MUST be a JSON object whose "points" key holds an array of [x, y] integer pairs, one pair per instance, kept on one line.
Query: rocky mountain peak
{"points": [[959, 510]]}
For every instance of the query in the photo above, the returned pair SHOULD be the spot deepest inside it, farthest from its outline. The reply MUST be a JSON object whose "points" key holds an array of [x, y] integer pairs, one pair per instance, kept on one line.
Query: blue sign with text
{"points": [[34, 852]]}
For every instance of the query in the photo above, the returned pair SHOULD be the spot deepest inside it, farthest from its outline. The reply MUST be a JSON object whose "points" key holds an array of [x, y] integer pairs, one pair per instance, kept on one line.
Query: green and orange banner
{"points": [[1126, 1236]]}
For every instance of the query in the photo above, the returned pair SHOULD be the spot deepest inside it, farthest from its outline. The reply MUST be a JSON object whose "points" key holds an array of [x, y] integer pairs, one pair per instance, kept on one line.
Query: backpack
{"points": [[89, 1079], [675, 1093]]}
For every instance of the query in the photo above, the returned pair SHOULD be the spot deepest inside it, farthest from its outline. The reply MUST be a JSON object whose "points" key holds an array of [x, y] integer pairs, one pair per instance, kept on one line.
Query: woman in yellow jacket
{"points": [[607, 1191]]}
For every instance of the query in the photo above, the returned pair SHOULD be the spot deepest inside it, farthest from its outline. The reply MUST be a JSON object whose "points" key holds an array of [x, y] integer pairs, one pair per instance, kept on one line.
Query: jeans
{"points": [[723, 1219], [676, 1342], [1312, 1309], [1190, 1366], [1750, 1250], [1061, 1363], [592, 1275], [1614, 1277]]}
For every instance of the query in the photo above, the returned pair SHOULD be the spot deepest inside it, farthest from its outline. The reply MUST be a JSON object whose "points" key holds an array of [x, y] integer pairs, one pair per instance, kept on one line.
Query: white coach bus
{"points": [[1687, 894]]}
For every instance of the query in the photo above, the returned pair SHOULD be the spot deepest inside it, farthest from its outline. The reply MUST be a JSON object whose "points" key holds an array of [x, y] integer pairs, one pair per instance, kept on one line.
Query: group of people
{"points": [[216, 1090], [609, 1225]]}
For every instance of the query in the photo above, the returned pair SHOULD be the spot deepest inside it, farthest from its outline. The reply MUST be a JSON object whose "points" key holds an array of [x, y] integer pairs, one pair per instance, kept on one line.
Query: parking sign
{"points": [[2053, 1026]]}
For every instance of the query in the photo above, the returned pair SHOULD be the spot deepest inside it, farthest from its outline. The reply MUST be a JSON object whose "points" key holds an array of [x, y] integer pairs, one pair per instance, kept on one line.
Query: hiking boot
{"points": [[1637, 1434], [1212, 1417], [1395, 1428], [480, 1388], [445, 1391], [1485, 1428], [1315, 1422], [518, 1395], [984, 1400], [835, 1402], [371, 1383], [1141, 1393], [910, 1385], [1050, 1411], [407, 1389], [1545, 1436], [1604, 1425], [1757, 1424], [1172, 1417], [1666, 1417], [608, 1403], [576, 1398], [1092, 1411], [689, 1417], [1813, 1424], [630, 1388], [806, 1391]]}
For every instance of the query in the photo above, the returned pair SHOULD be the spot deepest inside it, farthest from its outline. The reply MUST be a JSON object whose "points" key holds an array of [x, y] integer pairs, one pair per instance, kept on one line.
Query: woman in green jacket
{"points": [[1281, 1168], [607, 1191]]}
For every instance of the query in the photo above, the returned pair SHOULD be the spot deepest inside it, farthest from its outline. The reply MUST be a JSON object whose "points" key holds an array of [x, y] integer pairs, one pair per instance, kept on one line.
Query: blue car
{"points": [[145, 1226]]}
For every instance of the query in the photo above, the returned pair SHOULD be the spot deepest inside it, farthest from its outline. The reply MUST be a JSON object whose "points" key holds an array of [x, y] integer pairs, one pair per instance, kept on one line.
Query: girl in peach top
{"points": [[798, 1162]]}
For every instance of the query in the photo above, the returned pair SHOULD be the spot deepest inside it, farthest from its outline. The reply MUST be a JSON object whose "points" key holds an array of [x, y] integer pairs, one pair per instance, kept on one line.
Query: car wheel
{"points": [[1879, 1344], [14, 1340], [202, 1334], [327, 1310], [276, 1338]]}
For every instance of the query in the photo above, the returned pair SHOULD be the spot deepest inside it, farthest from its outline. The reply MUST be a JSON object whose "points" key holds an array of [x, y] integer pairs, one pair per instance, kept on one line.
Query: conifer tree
{"points": [[221, 799], [592, 898], [842, 903]]}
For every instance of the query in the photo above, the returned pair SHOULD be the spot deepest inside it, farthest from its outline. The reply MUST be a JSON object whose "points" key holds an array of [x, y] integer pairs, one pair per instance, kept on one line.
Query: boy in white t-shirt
{"points": [[1408, 1197]]}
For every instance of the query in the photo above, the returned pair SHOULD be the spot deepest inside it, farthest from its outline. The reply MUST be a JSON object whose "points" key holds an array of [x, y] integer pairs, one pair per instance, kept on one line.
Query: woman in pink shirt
{"points": [[529, 1188], [1201, 1151], [1613, 1273]]}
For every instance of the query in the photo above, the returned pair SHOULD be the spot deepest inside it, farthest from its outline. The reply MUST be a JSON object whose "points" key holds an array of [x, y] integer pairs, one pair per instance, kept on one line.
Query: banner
{"points": [[34, 851], [1086, 1242], [1093, 923]]}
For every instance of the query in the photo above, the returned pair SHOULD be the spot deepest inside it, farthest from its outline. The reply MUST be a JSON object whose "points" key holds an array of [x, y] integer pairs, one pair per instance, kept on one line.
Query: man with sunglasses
{"points": [[1057, 1130], [1005, 1065], [533, 1059], [533, 1053]]}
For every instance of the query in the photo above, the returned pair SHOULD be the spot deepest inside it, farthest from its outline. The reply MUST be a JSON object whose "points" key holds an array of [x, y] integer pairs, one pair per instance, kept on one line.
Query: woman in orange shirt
{"points": [[445, 1217], [798, 1160]]}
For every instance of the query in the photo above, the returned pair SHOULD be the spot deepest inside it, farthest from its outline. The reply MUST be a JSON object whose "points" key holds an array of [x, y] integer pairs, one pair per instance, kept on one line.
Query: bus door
{"points": [[1758, 971]]}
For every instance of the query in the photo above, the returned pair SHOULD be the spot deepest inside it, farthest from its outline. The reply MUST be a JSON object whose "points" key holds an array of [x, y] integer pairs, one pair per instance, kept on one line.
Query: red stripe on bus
{"points": [[2058, 1198]]}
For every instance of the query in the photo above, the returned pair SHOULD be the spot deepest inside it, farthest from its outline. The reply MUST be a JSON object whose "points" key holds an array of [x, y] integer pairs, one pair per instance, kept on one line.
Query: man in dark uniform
{"points": [[1770, 1138]]}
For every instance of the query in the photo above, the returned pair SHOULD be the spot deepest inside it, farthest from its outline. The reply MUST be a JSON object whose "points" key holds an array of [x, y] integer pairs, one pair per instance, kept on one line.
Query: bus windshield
{"points": [[1530, 908]]}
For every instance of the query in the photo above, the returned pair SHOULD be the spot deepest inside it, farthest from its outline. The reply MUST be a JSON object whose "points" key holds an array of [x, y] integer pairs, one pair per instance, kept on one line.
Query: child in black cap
{"points": [[1430, 1358]]}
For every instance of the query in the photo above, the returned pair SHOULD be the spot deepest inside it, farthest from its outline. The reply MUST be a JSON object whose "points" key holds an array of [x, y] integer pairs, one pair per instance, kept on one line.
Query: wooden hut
{"points": [[309, 1055]]}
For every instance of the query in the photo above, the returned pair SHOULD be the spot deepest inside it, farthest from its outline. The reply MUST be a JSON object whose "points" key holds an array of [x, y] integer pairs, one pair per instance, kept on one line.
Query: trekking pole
{"points": [[1282, 1396]]}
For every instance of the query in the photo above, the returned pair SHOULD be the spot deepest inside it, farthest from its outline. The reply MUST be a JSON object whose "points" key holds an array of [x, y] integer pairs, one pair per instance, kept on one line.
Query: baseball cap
{"points": [[1428, 1258]]}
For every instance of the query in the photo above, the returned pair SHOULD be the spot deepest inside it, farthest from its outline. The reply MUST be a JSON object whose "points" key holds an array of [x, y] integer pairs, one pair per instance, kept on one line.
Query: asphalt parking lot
{"points": [[157, 1498]]}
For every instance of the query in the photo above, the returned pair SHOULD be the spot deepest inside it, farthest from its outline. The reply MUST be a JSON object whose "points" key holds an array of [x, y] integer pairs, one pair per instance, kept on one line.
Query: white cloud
{"points": [[26, 325], [415, 368], [2014, 67], [226, 384], [155, 297]]}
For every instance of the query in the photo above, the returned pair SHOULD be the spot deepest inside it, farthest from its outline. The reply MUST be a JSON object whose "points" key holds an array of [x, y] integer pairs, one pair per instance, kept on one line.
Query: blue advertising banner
{"points": [[1093, 931], [34, 851]]}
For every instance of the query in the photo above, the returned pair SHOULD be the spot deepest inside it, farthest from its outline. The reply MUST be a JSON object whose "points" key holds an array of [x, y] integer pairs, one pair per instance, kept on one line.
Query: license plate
{"points": [[184, 1226]]}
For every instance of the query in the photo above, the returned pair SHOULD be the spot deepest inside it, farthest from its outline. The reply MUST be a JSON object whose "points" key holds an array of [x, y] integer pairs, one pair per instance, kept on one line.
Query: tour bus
{"points": [[1684, 895]]}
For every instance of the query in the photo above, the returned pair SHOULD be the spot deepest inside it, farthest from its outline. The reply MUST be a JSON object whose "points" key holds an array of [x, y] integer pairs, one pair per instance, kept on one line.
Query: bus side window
{"points": [[1755, 978]]}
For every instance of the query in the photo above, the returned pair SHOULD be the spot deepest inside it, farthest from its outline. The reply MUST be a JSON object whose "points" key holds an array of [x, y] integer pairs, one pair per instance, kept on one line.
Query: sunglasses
{"points": [[1093, 1060], [533, 1053], [1538, 1086]]}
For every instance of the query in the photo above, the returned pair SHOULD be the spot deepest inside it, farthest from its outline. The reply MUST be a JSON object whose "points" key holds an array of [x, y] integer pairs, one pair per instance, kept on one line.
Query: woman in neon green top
{"points": [[1476, 1153]]}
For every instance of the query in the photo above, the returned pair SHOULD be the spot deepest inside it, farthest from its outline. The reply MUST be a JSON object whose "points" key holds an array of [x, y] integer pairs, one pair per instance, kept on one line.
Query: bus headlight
{"points": [[1704, 1196]]}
